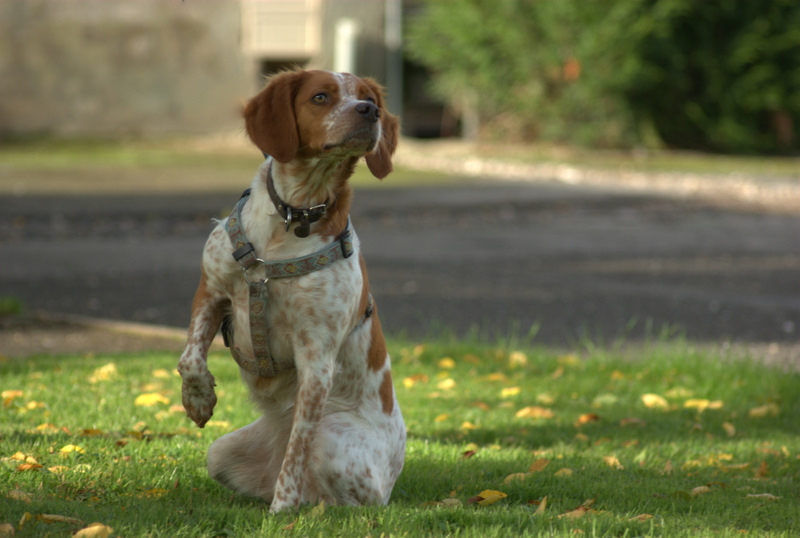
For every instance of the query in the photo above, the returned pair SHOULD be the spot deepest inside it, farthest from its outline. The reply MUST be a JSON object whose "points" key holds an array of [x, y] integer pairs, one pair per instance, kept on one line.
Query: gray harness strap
{"points": [[264, 364]]}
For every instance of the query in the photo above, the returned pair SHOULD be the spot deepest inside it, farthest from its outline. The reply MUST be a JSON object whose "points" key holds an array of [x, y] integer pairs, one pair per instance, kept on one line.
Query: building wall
{"points": [[120, 67]]}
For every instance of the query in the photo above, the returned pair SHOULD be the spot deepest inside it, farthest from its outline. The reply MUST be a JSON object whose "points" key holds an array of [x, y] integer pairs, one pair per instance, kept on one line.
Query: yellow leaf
{"points": [[517, 358], [161, 373], [446, 384], [700, 490], [557, 373], [67, 449], [224, 424], [497, 376], [545, 398], [441, 418], [18, 495], [6, 530], [616, 375], [702, 404], [534, 411], [613, 462], [447, 363], [10, 395], [762, 496], [53, 518], [466, 425], [538, 465], [410, 381], [33, 404], [770, 409], [586, 418], [509, 392], [20, 456], [667, 468], [542, 505], [58, 469], [150, 399], [569, 360], [104, 373], [490, 496], [26, 517], [654, 401], [319, 510], [154, 493], [564, 472], [95, 530], [518, 477], [451, 502], [641, 517]]}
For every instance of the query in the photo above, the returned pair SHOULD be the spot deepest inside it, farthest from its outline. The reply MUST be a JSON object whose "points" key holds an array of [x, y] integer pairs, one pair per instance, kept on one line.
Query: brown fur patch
{"points": [[377, 349], [386, 393]]}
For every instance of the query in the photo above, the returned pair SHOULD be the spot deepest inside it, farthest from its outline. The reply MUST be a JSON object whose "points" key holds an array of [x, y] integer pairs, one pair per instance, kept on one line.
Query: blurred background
{"points": [[570, 169], [715, 76]]}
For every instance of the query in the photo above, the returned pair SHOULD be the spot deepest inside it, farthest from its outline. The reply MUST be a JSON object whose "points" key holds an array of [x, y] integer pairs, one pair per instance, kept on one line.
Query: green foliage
{"points": [[723, 76]]}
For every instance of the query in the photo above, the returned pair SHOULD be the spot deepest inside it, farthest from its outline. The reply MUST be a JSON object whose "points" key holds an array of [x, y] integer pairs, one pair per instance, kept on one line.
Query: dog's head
{"points": [[306, 114]]}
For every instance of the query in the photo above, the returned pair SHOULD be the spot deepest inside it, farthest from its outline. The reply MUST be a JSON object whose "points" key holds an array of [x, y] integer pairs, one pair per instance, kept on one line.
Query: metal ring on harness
{"points": [[259, 280]]}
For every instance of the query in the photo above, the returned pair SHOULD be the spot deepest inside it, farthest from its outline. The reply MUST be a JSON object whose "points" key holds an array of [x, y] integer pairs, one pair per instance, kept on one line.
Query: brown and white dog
{"points": [[331, 428]]}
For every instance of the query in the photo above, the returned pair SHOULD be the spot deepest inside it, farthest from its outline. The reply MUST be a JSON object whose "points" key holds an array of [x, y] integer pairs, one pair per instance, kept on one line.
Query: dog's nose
{"points": [[368, 110]]}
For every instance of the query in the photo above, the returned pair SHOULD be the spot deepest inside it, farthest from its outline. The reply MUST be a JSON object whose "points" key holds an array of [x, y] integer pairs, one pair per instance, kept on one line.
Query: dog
{"points": [[309, 344]]}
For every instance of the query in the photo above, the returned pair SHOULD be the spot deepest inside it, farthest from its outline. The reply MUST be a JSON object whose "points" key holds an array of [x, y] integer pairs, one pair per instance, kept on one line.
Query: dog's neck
{"points": [[304, 183]]}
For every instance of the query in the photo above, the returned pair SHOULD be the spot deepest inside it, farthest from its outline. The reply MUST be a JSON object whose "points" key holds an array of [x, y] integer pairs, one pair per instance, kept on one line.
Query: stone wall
{"points": [[120, 67]]}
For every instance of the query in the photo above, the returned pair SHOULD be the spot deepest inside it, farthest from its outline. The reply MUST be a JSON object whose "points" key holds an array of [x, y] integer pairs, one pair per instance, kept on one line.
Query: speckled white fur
{"points": [[331, 429]]}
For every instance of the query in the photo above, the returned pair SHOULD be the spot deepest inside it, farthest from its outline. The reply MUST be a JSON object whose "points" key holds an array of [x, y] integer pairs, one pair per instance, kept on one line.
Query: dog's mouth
{"points": [[358, 141]]}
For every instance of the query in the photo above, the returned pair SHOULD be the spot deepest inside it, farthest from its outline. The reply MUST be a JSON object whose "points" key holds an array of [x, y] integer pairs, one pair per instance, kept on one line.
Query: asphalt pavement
{"points": [[568, 263]]}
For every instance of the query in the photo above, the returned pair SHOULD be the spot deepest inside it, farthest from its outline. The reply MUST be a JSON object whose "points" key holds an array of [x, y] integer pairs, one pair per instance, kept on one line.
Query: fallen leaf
{"points": [[534, 411], [68, 449], [542, 505], [6, 530], [641, 517], [150, 399], [468, 454], [617, 375], [28, 467], [53, 518], [762, 496], [446, 384], [579, 511], [564, 472], [441, 418], [509, 392], [410, 381], [515, 477], [26, 517], [545, 398], [467, 425], [557, 373], [104, 373], [19, 495], [763, 470], [587, 418], [700, 490], [632, 421], [613, 462], [667, 468], [538, 465], [770, 409], [654, 401], [569, 360], [95, 530], [489, 496], [161, 373], [319, 510], [497, 376], [10, 395], [729, 428], [702, 404], [517, 359], [451, 502]]}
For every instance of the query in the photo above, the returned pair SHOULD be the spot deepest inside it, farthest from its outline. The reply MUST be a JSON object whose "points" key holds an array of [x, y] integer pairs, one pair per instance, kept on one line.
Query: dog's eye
{"points": [[320, 98]]}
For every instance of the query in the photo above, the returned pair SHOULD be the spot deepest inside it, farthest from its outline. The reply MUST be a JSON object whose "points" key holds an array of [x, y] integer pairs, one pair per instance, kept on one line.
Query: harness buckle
{"points": [[255, 280]]}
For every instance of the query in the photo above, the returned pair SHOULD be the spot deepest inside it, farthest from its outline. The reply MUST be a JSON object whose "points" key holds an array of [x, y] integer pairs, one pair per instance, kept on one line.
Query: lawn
{"points": [[505, 439]]}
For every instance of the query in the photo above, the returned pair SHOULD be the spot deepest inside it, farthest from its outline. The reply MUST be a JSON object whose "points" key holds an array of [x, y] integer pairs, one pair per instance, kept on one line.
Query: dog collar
{"points": [[304, 217]]}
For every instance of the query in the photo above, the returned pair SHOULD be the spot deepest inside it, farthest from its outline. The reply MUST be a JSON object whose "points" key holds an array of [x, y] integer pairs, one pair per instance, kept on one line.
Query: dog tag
{"points": [[302, 230]]}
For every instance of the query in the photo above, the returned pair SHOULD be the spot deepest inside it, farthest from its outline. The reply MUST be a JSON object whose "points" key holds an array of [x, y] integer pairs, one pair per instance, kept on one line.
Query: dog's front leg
{"points": [[197, 390], [315, 378]]}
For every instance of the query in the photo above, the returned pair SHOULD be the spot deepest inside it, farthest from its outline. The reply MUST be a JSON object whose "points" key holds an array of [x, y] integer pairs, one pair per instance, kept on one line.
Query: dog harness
{"points": [[257, 273]]}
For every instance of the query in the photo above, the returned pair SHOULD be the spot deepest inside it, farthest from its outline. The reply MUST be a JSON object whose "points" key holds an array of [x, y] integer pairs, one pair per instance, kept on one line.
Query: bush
{"points": [[723, 76]]}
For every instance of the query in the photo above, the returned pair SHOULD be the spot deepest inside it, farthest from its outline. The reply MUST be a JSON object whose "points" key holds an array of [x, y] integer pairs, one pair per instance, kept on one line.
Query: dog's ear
{"points": [[270, 119], [379, 160]]}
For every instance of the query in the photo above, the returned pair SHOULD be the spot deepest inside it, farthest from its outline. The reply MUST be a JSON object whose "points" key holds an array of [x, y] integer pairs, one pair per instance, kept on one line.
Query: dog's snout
{"points": [[368, 110]]}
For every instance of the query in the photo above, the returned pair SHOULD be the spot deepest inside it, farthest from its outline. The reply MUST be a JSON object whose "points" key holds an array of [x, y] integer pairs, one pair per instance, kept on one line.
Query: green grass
{"points": [[141, 470]]}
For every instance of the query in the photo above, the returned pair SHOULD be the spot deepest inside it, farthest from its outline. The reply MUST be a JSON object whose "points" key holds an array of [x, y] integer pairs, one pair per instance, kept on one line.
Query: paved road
{"points": [[487, 256]]}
